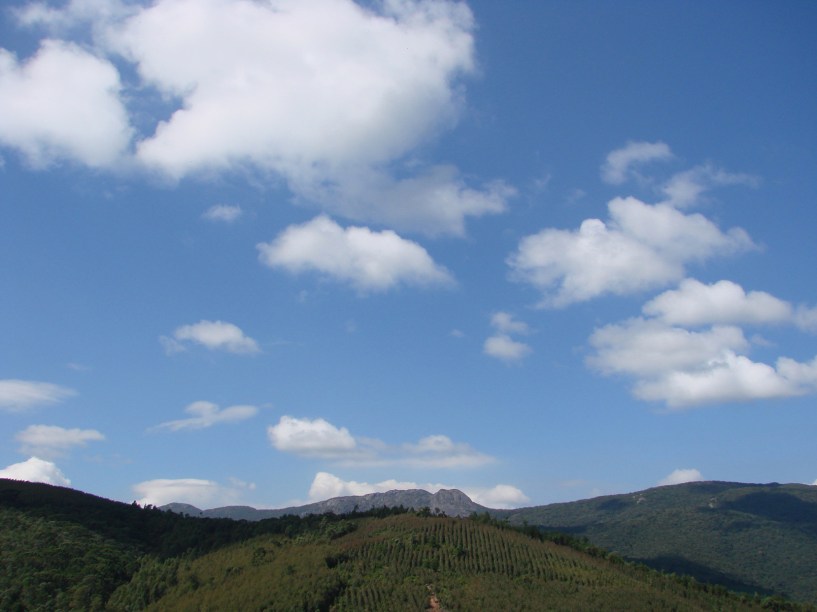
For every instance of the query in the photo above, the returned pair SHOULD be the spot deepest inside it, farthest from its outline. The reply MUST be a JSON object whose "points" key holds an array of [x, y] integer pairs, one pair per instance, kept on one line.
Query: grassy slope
{"points": [[759, 538]]}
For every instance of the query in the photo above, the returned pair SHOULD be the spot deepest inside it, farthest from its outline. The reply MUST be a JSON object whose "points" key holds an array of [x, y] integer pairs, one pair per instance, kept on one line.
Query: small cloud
{"points": [[502, 496], [311, 438], [21, 395], [207, 414], [36, 470], [456, 333], [501, 345], [214, 335], [225, 213], [507, 324], [505, 348], [53, 441], [681, 476], [618, 167], [78, 367], [368, 260]]}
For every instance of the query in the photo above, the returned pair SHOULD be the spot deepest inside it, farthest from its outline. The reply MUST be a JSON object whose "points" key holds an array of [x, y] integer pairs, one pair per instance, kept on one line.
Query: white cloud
{"points": [[686, 188], [311, 438], [326, 486], [21, 395], [63, 103], [200, 493], [226, 213], [329, 95], [619, 164], [508, 324], [318, 438], [291, 85], [214, 335], [695, 303], [681, 476], [370, 261], [206, 414], [688, 368], [325, 93], [52, 441], [646, 348], [501, 345], [499, 496], [642, 246], [36, 470], [505, 348]]}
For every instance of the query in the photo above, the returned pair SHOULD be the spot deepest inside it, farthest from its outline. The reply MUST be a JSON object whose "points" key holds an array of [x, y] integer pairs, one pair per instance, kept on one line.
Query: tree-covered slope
{"points": [[406, 562], [754, 538]]}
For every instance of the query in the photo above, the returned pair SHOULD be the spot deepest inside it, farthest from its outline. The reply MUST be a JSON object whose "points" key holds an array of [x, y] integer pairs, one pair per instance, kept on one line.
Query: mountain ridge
{"points": [[451, 502]]}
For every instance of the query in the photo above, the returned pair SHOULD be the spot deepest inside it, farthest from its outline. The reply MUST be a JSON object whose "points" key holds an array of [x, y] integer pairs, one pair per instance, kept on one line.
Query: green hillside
{"points": [[65, 550], [752, 538]]}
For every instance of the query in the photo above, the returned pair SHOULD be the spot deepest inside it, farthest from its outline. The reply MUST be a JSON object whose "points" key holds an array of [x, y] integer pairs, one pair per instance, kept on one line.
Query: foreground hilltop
{"points": [[753, 538], [63, 549]]}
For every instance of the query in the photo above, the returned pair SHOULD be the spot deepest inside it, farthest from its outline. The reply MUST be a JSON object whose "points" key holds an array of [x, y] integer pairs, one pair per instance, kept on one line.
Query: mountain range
{"points": [[450, 502]]}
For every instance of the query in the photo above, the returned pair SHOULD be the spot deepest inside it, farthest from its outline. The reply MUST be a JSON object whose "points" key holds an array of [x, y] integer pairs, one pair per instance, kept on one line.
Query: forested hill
{"points": [[62, 549], [750, 537]]}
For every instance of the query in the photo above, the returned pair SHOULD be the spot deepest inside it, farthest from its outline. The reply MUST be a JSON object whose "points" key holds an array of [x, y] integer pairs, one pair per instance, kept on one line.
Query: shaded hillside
{"points": [[753, 538]]}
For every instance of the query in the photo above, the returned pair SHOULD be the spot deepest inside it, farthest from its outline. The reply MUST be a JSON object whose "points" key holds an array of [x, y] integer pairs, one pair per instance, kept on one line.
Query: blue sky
{"points": [[269, 252]]}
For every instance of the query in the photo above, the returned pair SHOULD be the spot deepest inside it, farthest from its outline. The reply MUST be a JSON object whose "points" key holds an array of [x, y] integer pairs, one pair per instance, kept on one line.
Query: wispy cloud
{"points": [[619, 165], [206, 414], [21, 395], [226, 213], [51, 441]]}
